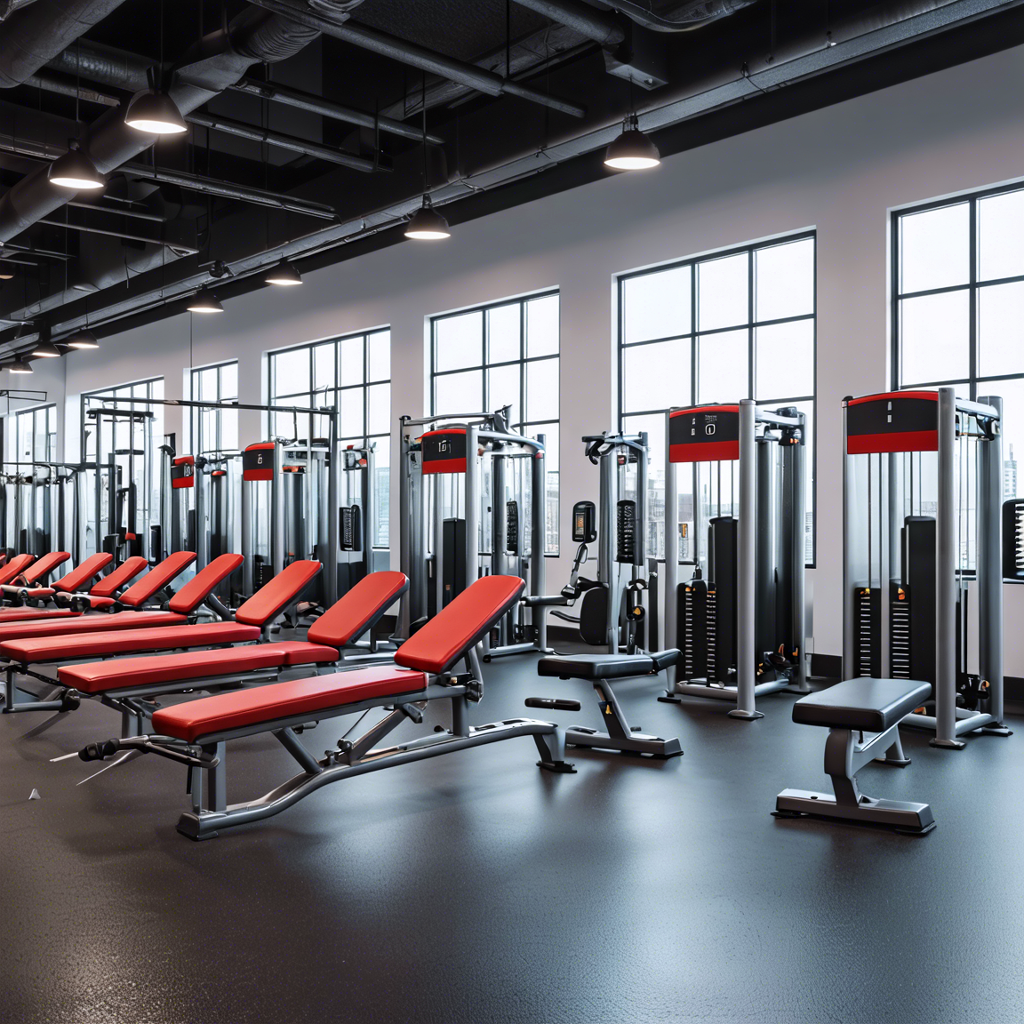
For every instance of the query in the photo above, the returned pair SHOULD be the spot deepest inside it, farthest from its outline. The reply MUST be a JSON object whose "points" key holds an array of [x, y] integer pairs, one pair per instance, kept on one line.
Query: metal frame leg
{"points": [[621, 735]]}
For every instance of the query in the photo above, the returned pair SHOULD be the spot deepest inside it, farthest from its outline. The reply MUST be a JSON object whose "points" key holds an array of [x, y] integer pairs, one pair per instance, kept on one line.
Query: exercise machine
{"points": [[739, 620], [922, 508]]}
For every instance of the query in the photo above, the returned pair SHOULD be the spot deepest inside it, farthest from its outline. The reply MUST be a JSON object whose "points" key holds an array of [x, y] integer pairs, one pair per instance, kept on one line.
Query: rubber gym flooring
{"points": [[475, 888]]}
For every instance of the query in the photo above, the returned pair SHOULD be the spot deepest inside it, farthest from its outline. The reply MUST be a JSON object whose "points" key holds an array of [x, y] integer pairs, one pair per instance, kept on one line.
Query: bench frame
{"points": [[208, 754], [847, 751]]}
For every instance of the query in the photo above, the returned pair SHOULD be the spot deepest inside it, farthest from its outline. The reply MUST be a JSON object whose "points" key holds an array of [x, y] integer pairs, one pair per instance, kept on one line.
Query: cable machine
{"points": [[922, 493], [739, 621]]}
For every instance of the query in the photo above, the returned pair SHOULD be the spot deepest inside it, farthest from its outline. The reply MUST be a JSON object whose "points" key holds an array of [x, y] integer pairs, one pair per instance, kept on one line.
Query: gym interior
{"points": [[638, 382]]}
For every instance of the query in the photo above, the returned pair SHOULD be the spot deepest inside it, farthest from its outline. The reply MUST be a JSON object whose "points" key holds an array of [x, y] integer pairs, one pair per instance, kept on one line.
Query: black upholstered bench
{"points": [[601, 670], [863, 718]]}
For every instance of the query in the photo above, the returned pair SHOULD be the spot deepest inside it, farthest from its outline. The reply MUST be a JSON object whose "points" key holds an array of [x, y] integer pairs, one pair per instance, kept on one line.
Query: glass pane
{"points": [[382, 489], [503, 389], [503, 333], [458, 341], [542, 326], [654, 425], [722, 367], [1001, 329], [784, 357], [808, 409], [722, 292], [934, 337], [1012, 393], [351, 402], [323, 366], [656, 376], [542, 390], [291, 372], [380, 356], [379, 398], [229, 430], [656, 305], [551, 491], [208, 385], [350, 361], [458, 392], [1001, 236], [229, 381], [934, 248], [784, 280]]}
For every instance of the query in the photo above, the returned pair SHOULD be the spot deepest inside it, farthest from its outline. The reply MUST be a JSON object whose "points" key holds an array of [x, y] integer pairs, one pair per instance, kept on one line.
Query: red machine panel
{"points": [[705, 433]]}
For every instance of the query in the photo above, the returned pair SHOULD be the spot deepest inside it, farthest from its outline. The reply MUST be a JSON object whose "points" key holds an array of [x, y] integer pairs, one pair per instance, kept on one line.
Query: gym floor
{"points": [[475, 888]]}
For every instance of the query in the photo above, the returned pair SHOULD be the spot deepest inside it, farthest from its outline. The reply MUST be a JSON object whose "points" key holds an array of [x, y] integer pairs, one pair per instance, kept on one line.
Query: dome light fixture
{"points": [[205, 302], [5, 273], [83, 339], [45, 348], [20, 365], [284, 275], [427, 224], [153, 112], [632, 150], [74, 170]]}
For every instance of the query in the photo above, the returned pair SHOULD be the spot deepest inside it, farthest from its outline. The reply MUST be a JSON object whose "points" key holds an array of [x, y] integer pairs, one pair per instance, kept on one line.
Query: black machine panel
{"points": [[454, 569], [512, 527], [626, 527], [443, 451], [584, 522], [722, 569], [1013, 539], [350, 528]]}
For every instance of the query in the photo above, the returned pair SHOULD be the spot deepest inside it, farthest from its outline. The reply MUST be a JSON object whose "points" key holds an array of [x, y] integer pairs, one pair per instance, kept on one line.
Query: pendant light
{"points": [[5, 274], [426, 224], [632, 150], [205, 302], [284, 275], [20, 365], [74, 170], [45, 348], [83, 339], [152, 111]]}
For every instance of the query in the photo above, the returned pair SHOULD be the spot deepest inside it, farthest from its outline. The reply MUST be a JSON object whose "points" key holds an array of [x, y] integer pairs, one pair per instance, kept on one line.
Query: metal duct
{"points": [[216, 62], [685, 18], [8, 7], [35, 35], [600, 26], [107, 65]]}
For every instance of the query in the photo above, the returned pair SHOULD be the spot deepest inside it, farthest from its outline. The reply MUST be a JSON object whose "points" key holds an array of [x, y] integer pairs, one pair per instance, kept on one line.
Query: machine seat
{"points": [[872, 705], [104, 644], [15, 567], [28, 614], [70, 623], [606, 666], [89, 569], [108, 585], [124, 673], [283, 701], [157, 578]]}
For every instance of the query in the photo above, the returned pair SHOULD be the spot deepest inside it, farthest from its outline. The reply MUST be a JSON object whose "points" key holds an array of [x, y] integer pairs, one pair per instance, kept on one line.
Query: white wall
{"points": [[839, 170]]}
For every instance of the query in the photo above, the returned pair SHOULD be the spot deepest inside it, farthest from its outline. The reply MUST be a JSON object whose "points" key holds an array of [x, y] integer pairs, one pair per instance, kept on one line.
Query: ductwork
{"points": [[35, 35], [682, 18], [603, 28], [8, 7], [216, 62]]}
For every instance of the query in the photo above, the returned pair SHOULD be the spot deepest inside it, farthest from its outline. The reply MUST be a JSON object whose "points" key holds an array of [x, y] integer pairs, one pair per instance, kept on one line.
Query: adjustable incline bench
{"points": [[66, 587], [129, 684], [34, 575], [849, 710], [601, 670], [196, 733]]}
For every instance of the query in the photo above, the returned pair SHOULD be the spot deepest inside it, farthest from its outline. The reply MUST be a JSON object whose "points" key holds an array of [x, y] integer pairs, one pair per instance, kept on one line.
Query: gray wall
{"points": [[839, 170]]}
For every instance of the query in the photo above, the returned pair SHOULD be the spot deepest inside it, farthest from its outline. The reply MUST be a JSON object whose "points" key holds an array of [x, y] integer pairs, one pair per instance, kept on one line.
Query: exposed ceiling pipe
{"points": [[289, 142], [128, 236], [8, 7], [35, 35], [217, 61], [416, 56], [600, 26], [326, 108], [62, 87], [96, 62], [686, 17]]}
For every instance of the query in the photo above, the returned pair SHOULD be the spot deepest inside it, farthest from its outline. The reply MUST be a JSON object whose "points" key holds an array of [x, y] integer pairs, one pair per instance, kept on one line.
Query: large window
{"points": [[34, 435], [958, 305], [503, 354], [213, 430], [354, 373], [739, 324]]}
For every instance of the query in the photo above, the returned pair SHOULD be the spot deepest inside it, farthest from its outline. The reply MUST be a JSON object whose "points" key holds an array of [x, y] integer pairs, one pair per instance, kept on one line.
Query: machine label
{"points": [[900, 421], [258, 462], [708, 433], [183, 471], [444, 451]]}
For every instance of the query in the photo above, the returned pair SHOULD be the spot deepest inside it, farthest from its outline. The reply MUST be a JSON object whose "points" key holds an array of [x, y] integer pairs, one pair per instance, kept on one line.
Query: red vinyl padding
{"points": [[199, 587], [77, 578], [436, 646], [11, 630], [283, 700], [276, 595], [15, 567], [157, 578], [346, 620], [114, 581], [27, 614], [126, 641], [121, 673], [42, 567]]}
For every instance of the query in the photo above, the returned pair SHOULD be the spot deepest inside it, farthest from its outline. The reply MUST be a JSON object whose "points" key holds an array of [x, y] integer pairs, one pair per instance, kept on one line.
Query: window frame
{"points": [[750, 326], [194, 387], [31, 413], [525, 426]]}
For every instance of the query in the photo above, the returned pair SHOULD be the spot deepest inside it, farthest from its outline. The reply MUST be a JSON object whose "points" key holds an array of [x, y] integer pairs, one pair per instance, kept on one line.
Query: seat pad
{"points": [[125, 641], [279, 701], [124, 673], [73, 623], [606, 666], [27, 614], [866, 703]]}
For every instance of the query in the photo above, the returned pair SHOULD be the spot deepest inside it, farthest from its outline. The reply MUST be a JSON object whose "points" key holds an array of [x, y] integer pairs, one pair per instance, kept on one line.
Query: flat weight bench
{"points": [[850, 710], [601, 670]]}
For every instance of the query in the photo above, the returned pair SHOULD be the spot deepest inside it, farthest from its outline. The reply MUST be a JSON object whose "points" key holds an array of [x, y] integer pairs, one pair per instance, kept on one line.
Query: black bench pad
{"points": [[606, 666], [866, 703]]}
